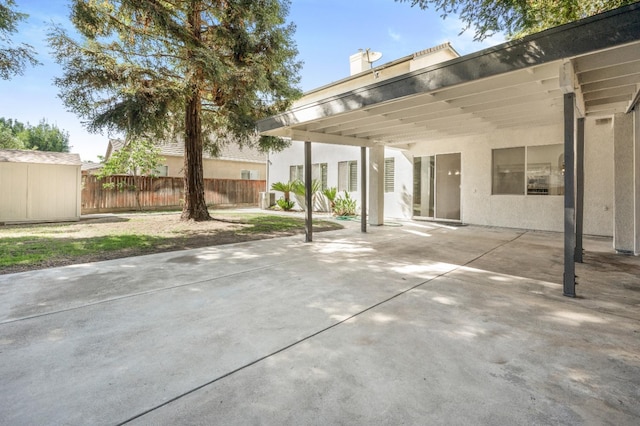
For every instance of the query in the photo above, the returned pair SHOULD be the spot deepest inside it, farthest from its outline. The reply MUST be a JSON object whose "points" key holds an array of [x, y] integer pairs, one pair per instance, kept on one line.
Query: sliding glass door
{"points": [[436, 186]]}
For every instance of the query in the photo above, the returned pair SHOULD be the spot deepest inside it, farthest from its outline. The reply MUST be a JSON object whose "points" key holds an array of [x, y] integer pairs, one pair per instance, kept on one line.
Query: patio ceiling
{"points": [[516, 84]]}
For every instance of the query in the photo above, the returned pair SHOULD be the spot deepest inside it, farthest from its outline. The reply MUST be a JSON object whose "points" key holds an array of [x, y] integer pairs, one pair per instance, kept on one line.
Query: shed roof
{"points": [[515, 84], [39, 157]]}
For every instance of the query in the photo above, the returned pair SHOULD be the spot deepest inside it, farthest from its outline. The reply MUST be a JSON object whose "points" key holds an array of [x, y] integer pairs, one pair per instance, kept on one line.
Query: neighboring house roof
{"points": [[228, 152], [89, 165], [112, 146], [39, 157], [364, 73], [520, 83]]}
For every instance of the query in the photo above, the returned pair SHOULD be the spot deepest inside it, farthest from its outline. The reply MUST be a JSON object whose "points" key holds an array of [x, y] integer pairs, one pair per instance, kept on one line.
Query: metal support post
{"points": [[569, 278], [308, 222], [579, 188]]}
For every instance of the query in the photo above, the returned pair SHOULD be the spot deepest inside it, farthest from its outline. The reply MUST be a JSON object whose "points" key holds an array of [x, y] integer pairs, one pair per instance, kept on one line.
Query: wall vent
{"points": [[601, 121]]}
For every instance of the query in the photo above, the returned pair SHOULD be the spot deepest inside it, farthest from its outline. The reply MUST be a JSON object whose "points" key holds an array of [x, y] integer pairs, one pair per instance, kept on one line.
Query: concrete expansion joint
{"points": [[144, 293], [317, 333]]}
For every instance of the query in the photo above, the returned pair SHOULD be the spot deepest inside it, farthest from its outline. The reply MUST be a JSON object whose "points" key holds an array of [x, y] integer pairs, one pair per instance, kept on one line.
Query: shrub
{"points": [[284, 188], [345, 206], [285, 205], [331, 193], [299, 190]]}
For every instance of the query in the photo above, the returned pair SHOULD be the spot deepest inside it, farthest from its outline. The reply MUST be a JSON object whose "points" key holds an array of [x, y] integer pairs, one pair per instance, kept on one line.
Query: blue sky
{"points": [[328, 32]]}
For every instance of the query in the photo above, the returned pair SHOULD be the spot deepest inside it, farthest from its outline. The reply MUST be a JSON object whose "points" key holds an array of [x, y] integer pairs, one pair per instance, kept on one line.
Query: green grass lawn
{"points": [[38, 249], [24, 247]]}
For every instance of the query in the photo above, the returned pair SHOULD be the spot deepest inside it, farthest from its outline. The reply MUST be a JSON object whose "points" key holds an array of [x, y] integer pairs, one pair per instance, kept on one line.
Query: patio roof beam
{"points": [[619, 55], [610, 84], [301, 135]]}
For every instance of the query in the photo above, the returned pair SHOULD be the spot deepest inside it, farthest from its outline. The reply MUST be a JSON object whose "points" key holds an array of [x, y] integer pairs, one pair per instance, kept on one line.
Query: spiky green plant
{"points": [[284, 187], [331, 194], [345, 205]]}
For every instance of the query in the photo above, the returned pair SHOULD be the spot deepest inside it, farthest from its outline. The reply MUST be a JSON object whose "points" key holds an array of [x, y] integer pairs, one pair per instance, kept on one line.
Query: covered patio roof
{"points": [[515, 84]]}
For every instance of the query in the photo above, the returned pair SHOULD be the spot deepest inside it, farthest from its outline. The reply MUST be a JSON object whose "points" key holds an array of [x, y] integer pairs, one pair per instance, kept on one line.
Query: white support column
{"points": [[376, 185], [363, 189], [624, 187]]}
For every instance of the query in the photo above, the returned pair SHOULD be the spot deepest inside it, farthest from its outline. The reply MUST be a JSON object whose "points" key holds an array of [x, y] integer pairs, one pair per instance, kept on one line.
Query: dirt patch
{"points": [[172, 234]]}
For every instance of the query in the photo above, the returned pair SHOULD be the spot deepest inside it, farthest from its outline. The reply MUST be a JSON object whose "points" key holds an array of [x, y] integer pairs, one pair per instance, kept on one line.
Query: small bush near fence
{"points": [[164, 193]]}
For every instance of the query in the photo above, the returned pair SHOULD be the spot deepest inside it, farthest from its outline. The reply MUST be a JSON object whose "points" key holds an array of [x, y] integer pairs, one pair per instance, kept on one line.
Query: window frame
{"points": [[542, 184], [348, 182], [320, 169], [296, 172]]}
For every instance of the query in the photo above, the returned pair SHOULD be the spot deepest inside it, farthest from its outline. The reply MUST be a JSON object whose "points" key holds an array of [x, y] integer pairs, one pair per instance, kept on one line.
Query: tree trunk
{"points": [[195, 206]]}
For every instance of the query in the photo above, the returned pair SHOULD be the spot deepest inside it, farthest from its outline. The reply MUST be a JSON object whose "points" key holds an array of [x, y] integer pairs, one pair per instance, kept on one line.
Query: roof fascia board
{"points": [[599, 32]]}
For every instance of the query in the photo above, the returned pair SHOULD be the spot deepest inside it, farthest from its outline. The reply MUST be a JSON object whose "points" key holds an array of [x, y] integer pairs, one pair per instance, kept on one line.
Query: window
{"points": [[508, 171], [348, 176], [296, 173], [389, 174], [162, 171], [250, 174], [544, 170], [319, 173]]}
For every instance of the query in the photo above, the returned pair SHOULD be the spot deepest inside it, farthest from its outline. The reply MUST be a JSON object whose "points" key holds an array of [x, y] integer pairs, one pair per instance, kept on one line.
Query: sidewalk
{"points": [[411, 324]]}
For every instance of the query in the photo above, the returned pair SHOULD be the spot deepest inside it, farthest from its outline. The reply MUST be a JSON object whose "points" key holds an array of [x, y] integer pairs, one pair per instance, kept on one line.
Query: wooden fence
{"points": [[164, 193]]}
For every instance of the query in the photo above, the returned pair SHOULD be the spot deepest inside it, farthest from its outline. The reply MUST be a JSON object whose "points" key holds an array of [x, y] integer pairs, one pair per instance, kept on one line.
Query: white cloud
{"points": [[464, 43], [394, 35]]}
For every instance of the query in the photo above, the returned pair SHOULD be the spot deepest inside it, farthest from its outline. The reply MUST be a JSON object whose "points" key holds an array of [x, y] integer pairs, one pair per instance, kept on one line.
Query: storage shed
{"points": [[37, 186]]}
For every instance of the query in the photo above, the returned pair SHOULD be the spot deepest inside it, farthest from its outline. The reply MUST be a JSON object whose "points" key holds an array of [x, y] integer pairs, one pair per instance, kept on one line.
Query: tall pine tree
{"points": [[203, 69], [13, 57]]}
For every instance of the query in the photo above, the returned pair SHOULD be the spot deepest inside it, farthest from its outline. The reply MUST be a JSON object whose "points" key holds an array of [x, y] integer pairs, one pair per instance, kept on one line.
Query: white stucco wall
{"points": [[320, 153], [397, 204], [598, 177], [478, 205]]}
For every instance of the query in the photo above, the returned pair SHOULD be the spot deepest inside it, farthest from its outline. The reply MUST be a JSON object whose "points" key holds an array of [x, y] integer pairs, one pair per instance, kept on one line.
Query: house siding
{"points": [[215, 169], [397, 204], [478, 205]]}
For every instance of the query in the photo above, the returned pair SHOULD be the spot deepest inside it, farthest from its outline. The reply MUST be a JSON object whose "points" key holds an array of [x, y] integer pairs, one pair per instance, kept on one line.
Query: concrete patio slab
{"points": [[413, 324]]}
